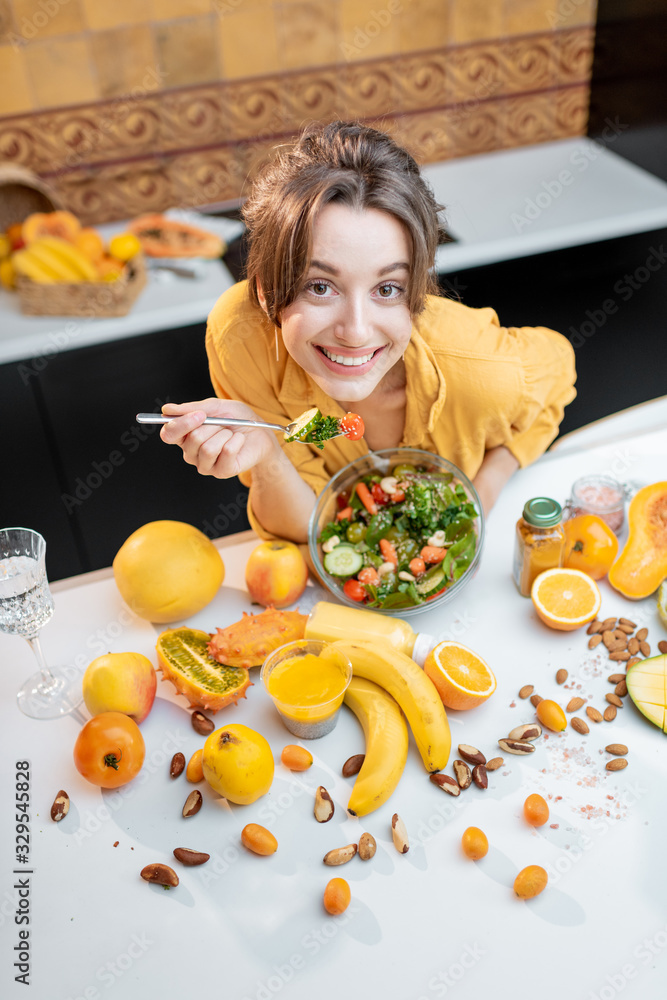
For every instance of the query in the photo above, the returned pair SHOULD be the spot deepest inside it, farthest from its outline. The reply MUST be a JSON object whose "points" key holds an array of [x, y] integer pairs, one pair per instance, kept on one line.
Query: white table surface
{"points": [[423, 925]]}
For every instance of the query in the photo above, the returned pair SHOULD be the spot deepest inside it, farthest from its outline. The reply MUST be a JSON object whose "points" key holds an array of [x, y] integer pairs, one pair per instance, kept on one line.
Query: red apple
{"points": [[276, 574], [120, 682]]}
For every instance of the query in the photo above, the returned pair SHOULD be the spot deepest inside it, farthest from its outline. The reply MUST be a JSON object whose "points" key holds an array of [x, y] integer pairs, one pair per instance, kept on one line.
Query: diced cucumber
{"points": [[431, 582], [304, 424], [344, 560]]}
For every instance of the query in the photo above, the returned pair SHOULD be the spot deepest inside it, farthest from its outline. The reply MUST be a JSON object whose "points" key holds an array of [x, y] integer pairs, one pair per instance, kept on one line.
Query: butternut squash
{"points": [[642, 565]]}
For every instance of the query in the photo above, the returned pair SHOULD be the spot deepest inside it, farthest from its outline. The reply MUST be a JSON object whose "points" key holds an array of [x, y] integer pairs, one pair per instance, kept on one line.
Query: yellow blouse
{"points": [[471, 385]]}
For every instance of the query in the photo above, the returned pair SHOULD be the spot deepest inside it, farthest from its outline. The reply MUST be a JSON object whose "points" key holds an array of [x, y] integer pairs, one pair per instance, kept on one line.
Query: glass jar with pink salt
{"points": [[601, 495]]}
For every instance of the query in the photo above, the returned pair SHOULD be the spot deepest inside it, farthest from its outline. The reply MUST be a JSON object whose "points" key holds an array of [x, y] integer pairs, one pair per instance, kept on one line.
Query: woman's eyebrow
{"points": [[321, 266]]}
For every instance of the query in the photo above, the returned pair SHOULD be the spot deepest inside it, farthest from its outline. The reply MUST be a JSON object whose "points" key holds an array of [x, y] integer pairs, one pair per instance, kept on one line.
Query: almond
{"points": [[177, 765], [642, 634], [633, 646], [479, 776], [340, 855], [615, 678], [193, 804], [367, 846], [662, 646], [631, 662], [608, 638], [621, 688], [399, 834], [608, 623], [529, 731], [160, 874], [619, 654], [613, 699], [462, 773], [618, 749], [494, 763], [617, 645], [575, 703], [60, 806], [324, 807], [617, 764], [202, 724], [593, 714], [626, 621], [624, 628], [579, 725], [620, 634], [594, 641], [609, 713], [561, 676], [645, 649], [353, 765], [471, 754], [445, 782], [526, 691], [594, 627], [518, 747], [535, 699], [190, 858]]}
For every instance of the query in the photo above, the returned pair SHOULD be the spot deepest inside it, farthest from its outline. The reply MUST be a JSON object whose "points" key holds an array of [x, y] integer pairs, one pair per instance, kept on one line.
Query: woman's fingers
{"points": [[179, 427]]}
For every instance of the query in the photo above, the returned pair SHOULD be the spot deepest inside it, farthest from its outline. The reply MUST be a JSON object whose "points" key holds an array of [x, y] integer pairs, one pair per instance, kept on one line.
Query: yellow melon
{"points": [[167, 571]]}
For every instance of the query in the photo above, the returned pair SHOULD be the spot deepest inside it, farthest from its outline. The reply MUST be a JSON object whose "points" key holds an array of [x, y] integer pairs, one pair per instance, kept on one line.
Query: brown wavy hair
{"points": [[343, 162]]}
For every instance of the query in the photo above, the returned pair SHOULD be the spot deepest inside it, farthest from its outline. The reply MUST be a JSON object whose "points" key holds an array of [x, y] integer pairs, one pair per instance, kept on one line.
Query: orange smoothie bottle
{"points": [[330, 622]]}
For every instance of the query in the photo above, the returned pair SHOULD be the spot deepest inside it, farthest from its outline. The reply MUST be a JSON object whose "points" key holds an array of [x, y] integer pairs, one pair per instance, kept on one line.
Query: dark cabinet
{"points": [[84, 472]]}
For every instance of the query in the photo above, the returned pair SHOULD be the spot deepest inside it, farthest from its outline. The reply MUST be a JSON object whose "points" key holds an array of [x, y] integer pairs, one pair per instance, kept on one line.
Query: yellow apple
{"points": [[120, 682], [276, 574]]}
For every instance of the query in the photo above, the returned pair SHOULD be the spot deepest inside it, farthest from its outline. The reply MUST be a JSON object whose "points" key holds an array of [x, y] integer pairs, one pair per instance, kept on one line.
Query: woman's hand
{"points": [[221, 452]]}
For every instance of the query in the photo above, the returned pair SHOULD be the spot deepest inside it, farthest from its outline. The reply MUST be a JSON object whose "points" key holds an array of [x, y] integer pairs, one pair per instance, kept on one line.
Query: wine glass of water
{"points": [[26, 605]]}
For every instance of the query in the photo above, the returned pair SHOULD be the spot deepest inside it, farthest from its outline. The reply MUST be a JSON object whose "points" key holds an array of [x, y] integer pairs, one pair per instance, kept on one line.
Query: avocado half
{"points": [[647, 686]]}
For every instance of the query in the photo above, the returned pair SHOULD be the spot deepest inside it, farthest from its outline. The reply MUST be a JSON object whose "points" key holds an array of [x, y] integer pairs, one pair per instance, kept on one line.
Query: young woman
{"points": [[340, 311]]}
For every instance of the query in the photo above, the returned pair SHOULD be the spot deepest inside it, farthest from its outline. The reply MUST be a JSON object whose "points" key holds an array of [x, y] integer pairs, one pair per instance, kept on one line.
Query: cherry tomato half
{"points": [[590, 545], [109, 750], [379, 494], [354, 590], [352, 426]]}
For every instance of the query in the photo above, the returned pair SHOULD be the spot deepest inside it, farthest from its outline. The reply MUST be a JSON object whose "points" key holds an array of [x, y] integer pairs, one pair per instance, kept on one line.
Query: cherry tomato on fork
{"points": [[109, 750], [352, 426]]}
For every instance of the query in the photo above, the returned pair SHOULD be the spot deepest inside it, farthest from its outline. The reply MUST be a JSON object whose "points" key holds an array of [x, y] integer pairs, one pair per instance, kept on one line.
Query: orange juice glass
{"points": [[307, 680]]}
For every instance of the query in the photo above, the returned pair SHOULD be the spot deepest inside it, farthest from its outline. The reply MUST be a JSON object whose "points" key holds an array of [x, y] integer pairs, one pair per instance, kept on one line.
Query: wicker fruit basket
{"points": [[92, 299], [22, 193]]}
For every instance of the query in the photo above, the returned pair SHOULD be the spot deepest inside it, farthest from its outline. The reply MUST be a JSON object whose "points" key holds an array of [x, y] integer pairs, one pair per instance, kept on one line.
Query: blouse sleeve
{"points": [[240, 369], [548, 375]]}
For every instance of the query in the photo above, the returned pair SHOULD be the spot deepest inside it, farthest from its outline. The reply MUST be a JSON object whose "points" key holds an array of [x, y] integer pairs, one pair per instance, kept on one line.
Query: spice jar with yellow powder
{"points": [[539, 543]]}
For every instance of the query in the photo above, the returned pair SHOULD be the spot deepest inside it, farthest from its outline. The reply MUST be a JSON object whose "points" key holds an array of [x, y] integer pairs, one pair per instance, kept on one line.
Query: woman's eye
{"points": [[387, 291], [319, 288]]}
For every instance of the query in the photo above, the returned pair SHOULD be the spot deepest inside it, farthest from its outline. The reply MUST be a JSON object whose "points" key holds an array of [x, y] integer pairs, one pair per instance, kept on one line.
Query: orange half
{"points": [[565, 599], [462, 677]]}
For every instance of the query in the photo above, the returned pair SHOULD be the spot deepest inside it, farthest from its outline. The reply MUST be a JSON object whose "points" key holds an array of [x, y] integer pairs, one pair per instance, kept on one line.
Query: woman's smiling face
{"points": [[350, 322]]}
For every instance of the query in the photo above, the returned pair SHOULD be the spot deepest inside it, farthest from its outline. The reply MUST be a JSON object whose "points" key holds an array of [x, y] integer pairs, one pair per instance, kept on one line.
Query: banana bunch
{"points": [[386, 745], [416, 694], [50, 259]]}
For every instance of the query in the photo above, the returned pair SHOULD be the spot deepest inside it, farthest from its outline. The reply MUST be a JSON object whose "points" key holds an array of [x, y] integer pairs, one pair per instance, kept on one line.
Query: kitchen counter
{"points": [[419, 925]]}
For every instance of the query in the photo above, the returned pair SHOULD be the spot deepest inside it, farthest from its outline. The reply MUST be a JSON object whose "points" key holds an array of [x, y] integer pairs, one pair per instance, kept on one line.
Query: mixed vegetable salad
{"points": [[313, 428], [402, 539]]}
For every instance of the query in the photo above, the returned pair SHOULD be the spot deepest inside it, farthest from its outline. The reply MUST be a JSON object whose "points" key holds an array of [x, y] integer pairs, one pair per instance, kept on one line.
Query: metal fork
{"points": [[160, 418]]}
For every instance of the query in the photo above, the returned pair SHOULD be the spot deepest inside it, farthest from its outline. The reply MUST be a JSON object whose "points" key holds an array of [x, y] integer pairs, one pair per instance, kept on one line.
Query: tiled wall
{"points": [[135, 105]]}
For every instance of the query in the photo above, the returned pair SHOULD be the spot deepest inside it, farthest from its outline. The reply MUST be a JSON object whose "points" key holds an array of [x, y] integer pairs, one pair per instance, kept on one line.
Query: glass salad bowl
{"points": [[372, 522]]}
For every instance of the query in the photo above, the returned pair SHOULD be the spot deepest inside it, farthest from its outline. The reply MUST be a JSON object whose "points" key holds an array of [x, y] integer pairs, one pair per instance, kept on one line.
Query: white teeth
{"points": [[345, 359]]}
